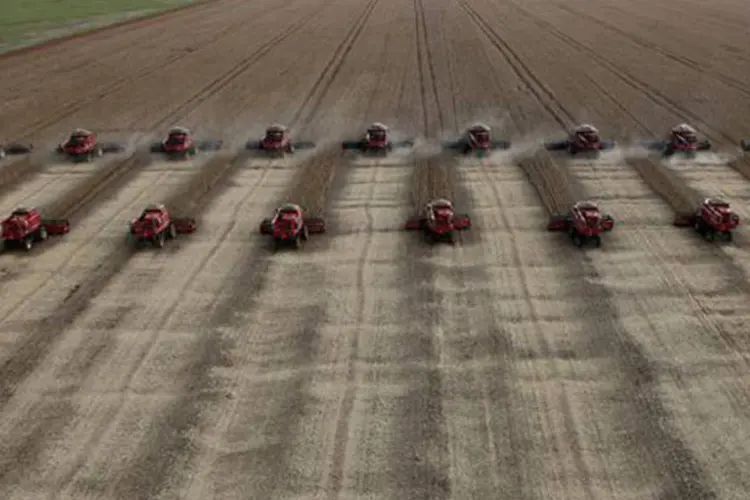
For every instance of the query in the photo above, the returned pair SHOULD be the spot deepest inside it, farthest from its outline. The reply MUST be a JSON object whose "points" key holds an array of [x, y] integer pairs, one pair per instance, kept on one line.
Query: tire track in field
{"points": [[421, 429], [70, 69], [683, 199], [311, 188], [493, 386], [518, 431], [534, 84], [97, 348], [642, 413], [647, 90], [86, 194], [245, 64], [30, 296], [663, 181], [95, 94], [24, 448], [429, 96], [193, 196], [18, 174], [170, 435], [554, 107], [678, 58], [658, 443], [337, 180], [41, 336], [311, 103], [337, 473]]}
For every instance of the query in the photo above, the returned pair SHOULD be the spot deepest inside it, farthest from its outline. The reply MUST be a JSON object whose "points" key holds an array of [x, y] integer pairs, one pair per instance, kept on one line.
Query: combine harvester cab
{"points": [[713, 219], [477, 140], [155, 225], [180, 144], [290, 226], [376, 142], [25, 227], [439, 222], [584, 223], [83, 146], [583, 140], [682, 140], [277, 142]]}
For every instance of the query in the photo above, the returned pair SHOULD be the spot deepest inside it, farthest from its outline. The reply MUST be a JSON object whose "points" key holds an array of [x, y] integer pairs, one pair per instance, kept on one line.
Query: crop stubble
{"points": [[310, 185], [614, 324], [115, 263], [535, 380], [310, 422], [691, 288]]}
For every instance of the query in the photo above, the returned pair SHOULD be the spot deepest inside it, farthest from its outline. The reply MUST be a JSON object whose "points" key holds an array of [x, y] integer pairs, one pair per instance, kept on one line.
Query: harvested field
{"points": [[369, 364]]}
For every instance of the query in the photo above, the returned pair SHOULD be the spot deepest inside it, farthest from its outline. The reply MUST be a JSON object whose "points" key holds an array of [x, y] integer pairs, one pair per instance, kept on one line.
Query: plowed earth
{"points": [[370, 365]]}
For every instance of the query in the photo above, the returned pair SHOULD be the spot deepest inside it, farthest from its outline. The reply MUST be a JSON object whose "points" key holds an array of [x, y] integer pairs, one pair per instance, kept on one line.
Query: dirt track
{"points": [[368, 365]]}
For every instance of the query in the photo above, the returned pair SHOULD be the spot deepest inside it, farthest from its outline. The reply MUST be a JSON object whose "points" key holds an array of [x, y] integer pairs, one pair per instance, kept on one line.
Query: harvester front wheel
{"points": [[159, 240], [577, 239]]}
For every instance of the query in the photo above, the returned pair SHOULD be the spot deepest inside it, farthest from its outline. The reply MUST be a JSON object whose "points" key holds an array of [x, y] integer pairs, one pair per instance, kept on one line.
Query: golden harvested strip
{"points": [[667, 183], [83, 195], [13, 174], [555, 184], [432, 178], [199, 190], [314, 181]]}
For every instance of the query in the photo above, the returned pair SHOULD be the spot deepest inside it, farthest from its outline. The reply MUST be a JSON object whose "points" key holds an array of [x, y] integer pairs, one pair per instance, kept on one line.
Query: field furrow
{"points": [[680, 301], [263, 307], [369, 363]]}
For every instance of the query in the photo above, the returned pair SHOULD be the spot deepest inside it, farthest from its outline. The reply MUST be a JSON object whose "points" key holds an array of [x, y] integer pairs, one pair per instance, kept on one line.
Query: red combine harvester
{"points": [[180, 144], [713, 219], [682, 139], [155, 225], [585, 223], [82, 145], [477, 139], [14, 148], [583, 139], [25, 226], [289, 226], [439, 222], [376, 141], [277, 142]]}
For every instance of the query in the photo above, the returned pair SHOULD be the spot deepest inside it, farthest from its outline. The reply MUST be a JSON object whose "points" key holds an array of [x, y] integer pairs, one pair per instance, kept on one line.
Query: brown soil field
{"points": [[369, 364]]}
